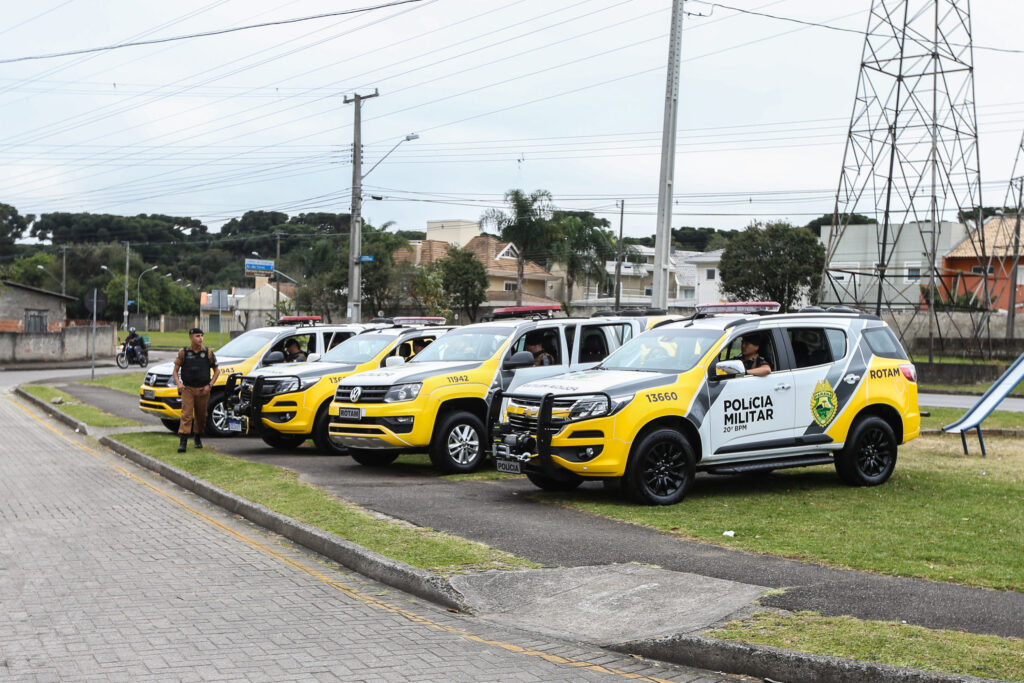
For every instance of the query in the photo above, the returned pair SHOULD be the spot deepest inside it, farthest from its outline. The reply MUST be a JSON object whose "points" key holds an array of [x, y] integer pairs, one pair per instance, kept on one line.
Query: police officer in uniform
{"points": [[753, 361], [192, 373], [535, 345]]}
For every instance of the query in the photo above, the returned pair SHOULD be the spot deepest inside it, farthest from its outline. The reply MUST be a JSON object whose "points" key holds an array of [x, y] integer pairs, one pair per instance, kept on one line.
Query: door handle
{"points": [[851, 378], [783, 387]]}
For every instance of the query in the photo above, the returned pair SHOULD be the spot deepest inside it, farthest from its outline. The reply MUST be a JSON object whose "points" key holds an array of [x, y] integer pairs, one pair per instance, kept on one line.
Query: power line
{"points": [[205, 34]]}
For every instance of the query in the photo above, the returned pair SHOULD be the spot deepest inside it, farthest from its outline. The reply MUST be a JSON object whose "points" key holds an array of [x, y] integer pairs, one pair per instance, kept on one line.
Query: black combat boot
{"points": [[182, 443], [199, 441]]}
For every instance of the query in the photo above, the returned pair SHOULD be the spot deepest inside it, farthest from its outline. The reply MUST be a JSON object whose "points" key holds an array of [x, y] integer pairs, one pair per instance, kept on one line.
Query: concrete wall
{"points": [[71, 343], [961, 335]]}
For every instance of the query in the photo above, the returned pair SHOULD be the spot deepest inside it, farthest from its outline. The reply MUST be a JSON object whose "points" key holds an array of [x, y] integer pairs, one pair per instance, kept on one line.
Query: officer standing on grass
{"points": [[192, 373]]}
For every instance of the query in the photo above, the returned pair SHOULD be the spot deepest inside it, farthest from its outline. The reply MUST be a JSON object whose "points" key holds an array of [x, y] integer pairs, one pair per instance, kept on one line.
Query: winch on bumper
{"points": [[522, 444]]}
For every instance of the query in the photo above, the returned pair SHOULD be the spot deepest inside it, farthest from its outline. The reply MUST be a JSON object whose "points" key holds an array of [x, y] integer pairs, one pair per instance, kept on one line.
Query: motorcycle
{"points": [[137, 355]]}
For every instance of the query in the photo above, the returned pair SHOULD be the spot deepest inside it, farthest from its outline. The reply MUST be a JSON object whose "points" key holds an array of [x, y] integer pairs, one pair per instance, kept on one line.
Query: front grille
{"points": [[154, 379], [522, 423], [528, 423], [343, 394]]}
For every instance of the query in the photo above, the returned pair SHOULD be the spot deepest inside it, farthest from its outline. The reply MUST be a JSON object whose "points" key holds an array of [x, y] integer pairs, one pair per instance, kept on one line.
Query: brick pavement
{"points": [[109, 573]]}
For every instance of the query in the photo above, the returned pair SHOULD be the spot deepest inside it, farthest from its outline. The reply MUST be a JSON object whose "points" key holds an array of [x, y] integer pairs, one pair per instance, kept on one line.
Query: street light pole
{"points": [[138, 289], [40, 267]]}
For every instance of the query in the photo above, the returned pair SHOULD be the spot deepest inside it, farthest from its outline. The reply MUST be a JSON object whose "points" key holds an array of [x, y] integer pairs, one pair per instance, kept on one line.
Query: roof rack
{"points": [[299, 320], [754, 307]]}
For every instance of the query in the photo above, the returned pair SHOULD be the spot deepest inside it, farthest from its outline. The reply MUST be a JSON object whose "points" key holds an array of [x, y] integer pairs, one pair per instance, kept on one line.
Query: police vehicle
{"points": [[158, 394], [439, 401], [289, 403], [679, 399]]}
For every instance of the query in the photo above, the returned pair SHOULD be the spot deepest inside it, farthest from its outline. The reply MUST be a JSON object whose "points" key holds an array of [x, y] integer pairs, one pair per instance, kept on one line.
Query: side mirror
{"points": [[730, 368], [392, 361], [313, 357], [273, 357], [520, 359]]}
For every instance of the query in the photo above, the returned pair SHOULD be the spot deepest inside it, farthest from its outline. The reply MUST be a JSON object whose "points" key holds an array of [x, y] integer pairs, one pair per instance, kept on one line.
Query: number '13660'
{"points": [[665, 396]]}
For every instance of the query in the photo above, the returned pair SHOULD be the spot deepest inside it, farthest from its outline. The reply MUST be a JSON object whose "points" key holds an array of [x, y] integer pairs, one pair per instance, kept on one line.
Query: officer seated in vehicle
{"points": [[753, 361], [535, 345], [293, 352]]}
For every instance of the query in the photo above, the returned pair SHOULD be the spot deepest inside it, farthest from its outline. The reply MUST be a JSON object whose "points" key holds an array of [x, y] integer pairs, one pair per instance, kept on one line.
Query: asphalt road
{"points": [[510, 515]]}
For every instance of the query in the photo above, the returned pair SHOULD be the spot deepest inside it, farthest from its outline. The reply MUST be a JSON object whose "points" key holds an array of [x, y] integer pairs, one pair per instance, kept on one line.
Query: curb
{"points": [[772, 663], [53, 411], [418, 582]]}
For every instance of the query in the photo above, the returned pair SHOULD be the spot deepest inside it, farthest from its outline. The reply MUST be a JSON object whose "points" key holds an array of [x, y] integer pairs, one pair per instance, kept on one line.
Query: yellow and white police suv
{"points": [[439, 401], [288, 403], [257, 348], [680, 398]]}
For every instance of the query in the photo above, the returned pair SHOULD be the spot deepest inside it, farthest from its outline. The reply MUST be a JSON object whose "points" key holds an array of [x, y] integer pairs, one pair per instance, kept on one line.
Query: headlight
{"points": [[291, 384], [403, 392], [589, 407]]}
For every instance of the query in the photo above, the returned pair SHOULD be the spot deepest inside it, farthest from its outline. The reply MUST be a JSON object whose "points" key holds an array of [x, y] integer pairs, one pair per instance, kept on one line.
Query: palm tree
{"points": [[583, 247], [525, 225]]}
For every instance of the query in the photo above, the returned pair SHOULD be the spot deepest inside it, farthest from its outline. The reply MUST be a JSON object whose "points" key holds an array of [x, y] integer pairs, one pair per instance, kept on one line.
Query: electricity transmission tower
{"points": [[912, 166]]}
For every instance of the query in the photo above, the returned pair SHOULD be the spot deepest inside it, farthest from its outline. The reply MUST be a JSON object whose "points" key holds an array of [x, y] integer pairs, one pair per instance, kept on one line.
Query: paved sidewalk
{"points": [[107, 572]]}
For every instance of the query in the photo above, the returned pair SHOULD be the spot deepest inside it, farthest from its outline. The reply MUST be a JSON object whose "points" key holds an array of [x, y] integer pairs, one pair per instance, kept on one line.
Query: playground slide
{"points": [[973, 418]]}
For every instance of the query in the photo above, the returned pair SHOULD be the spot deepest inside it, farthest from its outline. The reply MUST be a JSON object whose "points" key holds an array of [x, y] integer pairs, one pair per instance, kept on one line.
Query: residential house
{"points": [[970, 267], [31, 309]]}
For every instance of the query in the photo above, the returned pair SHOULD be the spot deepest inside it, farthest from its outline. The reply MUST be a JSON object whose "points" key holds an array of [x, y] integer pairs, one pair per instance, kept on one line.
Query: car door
{"points": [[750, 414], [817, 353]]}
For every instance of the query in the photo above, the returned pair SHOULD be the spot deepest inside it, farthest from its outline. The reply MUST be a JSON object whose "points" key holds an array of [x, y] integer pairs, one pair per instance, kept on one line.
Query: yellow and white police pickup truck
{"points": [[288, 403], [682, 398], [250, 350], [439, 401]]}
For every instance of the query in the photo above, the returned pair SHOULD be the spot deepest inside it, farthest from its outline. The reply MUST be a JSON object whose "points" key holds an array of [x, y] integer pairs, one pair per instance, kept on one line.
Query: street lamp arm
{"points": [[40, 267], [285, 276], [410, 136]]}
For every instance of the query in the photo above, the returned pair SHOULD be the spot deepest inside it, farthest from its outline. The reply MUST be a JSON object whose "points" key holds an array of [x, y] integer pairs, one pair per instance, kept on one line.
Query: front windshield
{"points": [[358, 349], [246, 345], [663, 350], [465, 344]]}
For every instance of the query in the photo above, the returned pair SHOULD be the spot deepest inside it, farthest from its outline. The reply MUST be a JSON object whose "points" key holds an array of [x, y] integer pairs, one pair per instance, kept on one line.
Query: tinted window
{"points": [[810, 347], [837, 342], [884, 343], [734, 351]]}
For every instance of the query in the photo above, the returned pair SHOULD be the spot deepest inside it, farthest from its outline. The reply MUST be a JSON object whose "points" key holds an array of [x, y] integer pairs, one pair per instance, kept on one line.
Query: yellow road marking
{"points": [[334, 583]]}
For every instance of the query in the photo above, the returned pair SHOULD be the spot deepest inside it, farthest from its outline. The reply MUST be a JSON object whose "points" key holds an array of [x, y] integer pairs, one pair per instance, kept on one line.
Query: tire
{"points": [[217, 417], [661, 469], [281, 441], [321, 434], [458, 444], [172, 425], [122, 360], [143, 359], [373, 458], [869, 456], [542, 481]]}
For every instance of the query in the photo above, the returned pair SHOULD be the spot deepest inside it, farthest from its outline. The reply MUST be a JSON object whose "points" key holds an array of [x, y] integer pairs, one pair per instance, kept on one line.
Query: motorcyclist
{"points": [[131, 344]]}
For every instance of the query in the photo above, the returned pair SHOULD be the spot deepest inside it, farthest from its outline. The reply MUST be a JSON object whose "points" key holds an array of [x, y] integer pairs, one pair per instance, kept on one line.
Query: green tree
{"points": [[583, 245], [381, 282], [12, 225], [816, 225], [424, 287], [773, 261], [464, 277], [525, 224]]}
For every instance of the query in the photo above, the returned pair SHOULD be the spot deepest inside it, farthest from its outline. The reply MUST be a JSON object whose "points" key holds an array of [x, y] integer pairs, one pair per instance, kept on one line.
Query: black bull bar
{"points": [[253, 410], [504, 434]]}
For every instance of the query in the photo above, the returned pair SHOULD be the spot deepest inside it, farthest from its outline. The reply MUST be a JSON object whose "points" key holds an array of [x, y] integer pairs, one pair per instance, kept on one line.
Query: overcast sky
{"points": [[567, 96]]}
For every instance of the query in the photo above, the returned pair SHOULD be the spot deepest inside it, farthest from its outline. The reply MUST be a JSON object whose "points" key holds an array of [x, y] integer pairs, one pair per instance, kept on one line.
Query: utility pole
{"points": [[63, 269], [127, 252], [663, 234], [355, 277], [618, 259], [277, 280], [1012, 308]]}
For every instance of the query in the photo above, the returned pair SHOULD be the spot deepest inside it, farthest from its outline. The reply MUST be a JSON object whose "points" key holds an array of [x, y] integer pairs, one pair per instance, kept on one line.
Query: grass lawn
{"points": [[998, 419], [170, 341], [942, 516], [884, 642], [94, 417], [128, 382], [280, 490]]}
